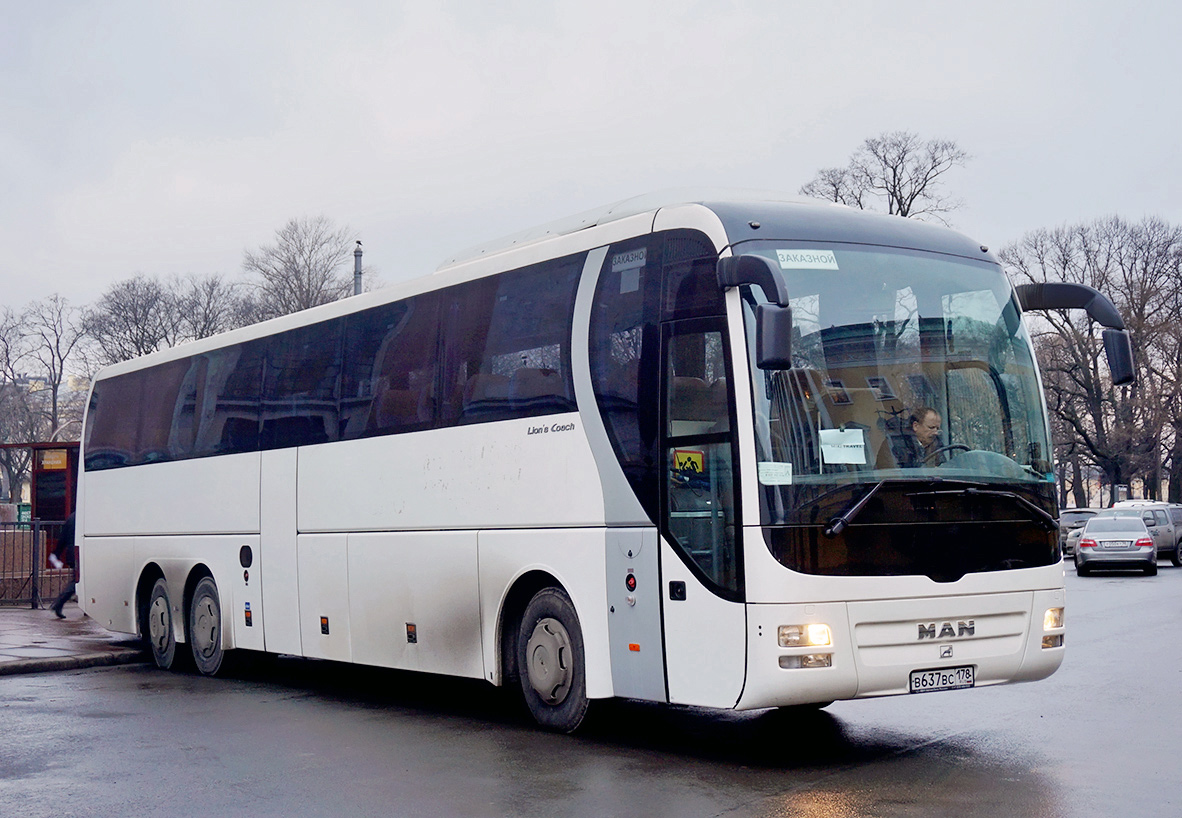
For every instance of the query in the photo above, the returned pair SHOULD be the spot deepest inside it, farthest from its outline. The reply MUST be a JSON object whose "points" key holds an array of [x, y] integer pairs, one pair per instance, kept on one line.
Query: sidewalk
{"points": [[36, 641]]}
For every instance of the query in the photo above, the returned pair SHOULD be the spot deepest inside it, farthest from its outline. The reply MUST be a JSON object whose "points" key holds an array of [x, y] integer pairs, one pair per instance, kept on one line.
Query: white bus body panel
{"points": [[218, 511], [220, 496], [428, 579], [323, 561], [109, 575], [574, 557], [705, 653], [486, 475], [276, 563], [634, 616]]}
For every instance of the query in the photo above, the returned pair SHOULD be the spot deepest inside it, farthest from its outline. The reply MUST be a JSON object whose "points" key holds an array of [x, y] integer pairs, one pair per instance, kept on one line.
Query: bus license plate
{"points": [[945, 678]]}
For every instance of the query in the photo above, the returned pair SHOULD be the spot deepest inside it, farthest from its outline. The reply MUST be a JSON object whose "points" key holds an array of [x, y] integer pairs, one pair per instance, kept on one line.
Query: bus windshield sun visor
{"points": [[1063, 295]]}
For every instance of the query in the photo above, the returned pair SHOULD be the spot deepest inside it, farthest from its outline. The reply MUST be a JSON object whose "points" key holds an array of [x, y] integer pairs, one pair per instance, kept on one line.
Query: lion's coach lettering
{"points": [[556, 427]]}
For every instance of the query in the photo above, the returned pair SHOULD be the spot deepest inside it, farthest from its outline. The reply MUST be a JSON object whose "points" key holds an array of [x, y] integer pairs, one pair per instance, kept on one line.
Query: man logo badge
{"points": [[946, 631], [945, 651]]}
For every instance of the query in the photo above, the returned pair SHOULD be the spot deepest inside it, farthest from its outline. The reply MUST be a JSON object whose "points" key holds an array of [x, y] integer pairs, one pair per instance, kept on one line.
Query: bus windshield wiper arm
{"points": [[1037, 514], [838, 523]]}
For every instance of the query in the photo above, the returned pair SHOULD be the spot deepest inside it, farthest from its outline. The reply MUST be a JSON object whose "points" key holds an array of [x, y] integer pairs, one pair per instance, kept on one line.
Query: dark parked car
{"points": [[1073, 519], [1116, 541]]}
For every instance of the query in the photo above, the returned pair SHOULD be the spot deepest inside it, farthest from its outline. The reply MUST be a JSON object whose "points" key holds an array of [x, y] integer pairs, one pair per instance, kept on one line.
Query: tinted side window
{"points": [[112, 422], [300, 386], [229, 420], [625, 361], [507, 344], [391, 356], [691, 278]]}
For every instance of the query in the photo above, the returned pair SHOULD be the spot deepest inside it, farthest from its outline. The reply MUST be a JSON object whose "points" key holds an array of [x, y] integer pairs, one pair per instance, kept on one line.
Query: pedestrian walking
{"points": [[63, 556]]}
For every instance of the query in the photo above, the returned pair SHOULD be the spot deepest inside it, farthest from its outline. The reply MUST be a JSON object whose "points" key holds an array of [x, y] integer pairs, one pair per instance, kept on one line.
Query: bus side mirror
{"points": [[773, 337], [1063, 295], [1119, 350]]}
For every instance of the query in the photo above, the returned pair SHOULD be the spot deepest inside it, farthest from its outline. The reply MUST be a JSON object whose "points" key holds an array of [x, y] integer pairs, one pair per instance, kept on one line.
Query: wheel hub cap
{"points": [[548, 658], [158, 623]]}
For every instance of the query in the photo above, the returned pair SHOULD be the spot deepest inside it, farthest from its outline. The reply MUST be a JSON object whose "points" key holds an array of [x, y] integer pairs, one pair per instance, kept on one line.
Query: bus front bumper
{"points": [[889, 647]]}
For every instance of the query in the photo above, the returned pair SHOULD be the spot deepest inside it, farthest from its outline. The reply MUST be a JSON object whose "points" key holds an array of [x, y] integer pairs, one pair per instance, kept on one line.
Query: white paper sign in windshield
{"points": [[843, 446], [807, 260], [775, 474]]}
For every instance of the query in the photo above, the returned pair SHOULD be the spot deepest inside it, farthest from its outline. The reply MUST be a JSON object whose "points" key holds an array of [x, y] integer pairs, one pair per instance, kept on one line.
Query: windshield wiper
{"points": [[838, 523], [1037, 514]]}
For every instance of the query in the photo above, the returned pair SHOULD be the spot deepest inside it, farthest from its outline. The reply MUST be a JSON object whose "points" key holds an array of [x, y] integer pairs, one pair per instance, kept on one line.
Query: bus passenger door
{"points": [[704, 618]]}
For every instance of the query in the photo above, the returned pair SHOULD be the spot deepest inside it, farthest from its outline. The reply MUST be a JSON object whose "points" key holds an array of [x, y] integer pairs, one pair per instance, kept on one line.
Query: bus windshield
{"points": [[905, 366]]}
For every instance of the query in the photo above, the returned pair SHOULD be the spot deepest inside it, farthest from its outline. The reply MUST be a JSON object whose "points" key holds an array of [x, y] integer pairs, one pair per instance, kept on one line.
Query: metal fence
{"points": [[26, 577]]}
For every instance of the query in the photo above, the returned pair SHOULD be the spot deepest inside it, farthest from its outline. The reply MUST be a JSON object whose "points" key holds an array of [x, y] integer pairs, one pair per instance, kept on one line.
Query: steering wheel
{"points": [[952, 447]]}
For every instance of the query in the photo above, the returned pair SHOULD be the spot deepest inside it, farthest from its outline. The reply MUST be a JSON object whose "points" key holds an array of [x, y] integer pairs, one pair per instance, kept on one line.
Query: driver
{"points": [[912, 450]]}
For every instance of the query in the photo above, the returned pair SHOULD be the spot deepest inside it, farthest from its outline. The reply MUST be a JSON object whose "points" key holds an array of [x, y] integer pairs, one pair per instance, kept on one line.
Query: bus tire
{"points": [[158, 627], [205, 628], [550, 661]]}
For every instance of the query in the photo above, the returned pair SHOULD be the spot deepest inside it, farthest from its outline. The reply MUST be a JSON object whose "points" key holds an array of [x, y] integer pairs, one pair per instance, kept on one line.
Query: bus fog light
{"points": [[1053, 641], [799, 636], [806, 660], [1052, 619]]}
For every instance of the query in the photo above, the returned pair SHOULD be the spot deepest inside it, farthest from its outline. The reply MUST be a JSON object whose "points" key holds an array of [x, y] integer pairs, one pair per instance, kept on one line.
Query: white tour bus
{"points": [[661, 451]]}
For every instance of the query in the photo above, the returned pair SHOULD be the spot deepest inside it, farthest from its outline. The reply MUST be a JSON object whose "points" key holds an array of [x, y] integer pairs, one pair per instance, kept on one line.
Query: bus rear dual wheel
{"points": [[205, 627], [550, 659]]}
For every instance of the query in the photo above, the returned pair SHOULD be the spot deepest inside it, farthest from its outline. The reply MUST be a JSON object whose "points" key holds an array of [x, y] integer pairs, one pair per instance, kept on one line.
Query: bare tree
{"points": [[210, 304], [143, 314], [897, 170], [19, 421], [52, 332], [303, 268], [133, 317], [1124, 431]]}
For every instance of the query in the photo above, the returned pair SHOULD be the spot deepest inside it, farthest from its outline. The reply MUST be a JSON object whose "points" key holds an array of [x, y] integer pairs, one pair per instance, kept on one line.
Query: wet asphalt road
{"points": [[1102, 737]]}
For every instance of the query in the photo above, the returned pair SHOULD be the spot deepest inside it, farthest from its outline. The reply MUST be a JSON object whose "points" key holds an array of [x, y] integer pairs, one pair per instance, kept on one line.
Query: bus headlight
{"points": [[800, 636], [1052, 619]]}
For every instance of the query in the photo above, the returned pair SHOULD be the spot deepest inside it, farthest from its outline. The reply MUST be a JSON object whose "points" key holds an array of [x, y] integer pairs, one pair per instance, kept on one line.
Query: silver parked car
{"points": [[1071, 520], [1114, 540], [1163, 524]]}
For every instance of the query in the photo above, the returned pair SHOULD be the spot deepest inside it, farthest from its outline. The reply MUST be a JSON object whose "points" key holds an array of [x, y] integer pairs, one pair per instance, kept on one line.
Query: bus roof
{"points": [[778, 216]]}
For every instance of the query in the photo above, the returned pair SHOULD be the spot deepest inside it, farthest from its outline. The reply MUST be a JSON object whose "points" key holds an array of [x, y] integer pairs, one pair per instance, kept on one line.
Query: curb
{"points": [[58, 663]]}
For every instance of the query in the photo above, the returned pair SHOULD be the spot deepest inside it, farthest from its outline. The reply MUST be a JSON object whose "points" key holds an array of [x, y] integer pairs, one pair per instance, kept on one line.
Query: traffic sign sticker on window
{"points": [[690, 460]]}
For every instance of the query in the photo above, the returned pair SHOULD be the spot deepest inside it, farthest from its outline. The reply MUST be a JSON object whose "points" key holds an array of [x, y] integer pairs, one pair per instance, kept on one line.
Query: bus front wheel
{"points": [[205, 628], [158, 628], [550, 656]]}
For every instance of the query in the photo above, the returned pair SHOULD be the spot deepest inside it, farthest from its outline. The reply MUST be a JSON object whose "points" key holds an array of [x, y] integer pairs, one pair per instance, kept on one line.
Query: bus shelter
{"points": [[29, 531]]}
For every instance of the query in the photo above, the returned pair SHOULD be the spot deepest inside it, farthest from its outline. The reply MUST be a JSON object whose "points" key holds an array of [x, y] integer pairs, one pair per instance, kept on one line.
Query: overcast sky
{"points": [[162, 138]]}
